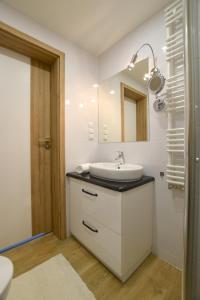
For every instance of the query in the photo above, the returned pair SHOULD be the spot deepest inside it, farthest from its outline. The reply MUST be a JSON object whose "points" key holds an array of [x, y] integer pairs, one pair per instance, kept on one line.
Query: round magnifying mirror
{"points": [[156, 82]]}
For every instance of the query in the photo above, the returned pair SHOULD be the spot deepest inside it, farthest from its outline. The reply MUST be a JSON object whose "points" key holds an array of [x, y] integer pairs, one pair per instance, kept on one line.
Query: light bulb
{"points": [[146, 77], [131, 66]]}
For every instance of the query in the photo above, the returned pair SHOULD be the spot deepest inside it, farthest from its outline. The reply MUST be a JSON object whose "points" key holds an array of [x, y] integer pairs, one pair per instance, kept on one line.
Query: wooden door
{"points": [[41, 148], [24, 44]]}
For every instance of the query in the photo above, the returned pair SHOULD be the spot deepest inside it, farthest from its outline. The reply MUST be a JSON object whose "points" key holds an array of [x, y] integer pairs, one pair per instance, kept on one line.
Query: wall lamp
{"points": [[156, 81]]}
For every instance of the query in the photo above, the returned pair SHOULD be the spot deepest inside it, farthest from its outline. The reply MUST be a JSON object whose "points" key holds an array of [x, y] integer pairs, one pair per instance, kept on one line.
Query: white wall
{"points": [[168, 216], [81, 74], [15, 173]]}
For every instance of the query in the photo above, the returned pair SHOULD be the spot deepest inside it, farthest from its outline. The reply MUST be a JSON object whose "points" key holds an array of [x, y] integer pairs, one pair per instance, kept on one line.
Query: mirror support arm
{"points": [[134, 57]]}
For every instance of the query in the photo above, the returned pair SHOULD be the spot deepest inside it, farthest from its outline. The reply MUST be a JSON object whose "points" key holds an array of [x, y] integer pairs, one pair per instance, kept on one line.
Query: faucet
{"points": [[120, 157]]}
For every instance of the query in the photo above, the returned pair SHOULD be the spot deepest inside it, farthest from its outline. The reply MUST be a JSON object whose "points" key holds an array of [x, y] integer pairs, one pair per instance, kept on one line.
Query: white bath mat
{"points": [[54, 279]]}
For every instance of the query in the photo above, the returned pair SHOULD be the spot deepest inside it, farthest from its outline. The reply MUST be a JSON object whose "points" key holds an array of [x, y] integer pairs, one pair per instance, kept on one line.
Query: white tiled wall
{"points": [[15, 175]]}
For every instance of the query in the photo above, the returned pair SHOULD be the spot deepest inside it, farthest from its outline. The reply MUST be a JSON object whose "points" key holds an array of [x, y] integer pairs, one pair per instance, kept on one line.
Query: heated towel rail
{"points": [[175, 94]]}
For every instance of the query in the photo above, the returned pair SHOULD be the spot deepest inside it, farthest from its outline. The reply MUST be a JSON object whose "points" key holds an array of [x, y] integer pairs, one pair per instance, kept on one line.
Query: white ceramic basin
{"points": [[116, 172]]}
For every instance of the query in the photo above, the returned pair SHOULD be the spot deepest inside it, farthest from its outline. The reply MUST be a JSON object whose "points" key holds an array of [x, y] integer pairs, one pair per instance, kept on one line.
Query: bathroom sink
{"points": [[116, 172]]}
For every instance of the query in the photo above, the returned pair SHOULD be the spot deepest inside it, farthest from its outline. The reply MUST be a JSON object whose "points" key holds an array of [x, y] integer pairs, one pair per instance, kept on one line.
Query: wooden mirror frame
{"points": [[141, 112], [24, 44]]}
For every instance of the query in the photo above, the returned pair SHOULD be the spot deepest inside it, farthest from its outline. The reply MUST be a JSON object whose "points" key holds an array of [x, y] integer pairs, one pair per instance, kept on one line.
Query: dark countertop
{"points": [[112, 185]]}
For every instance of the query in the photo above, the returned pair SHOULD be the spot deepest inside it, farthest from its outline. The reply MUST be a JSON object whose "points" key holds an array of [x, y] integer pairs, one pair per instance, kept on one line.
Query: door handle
{"points": [[45, 142]]}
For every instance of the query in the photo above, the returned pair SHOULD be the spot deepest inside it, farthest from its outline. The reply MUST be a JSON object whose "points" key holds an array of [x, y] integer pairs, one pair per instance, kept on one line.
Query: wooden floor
{"points": [[154, 280]]}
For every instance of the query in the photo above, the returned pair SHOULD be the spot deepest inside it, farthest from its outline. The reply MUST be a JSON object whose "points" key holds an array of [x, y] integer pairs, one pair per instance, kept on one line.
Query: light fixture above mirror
{"points": [[156, 81]]}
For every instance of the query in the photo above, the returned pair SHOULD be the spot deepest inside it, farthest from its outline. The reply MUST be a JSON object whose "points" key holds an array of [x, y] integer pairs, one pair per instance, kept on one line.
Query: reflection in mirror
{"points": [[123, 105], [133, 114]]}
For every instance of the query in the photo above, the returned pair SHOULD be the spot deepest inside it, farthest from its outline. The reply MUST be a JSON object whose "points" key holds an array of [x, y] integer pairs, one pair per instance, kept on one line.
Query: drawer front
{"points": [[101, 241], [101, 204]]}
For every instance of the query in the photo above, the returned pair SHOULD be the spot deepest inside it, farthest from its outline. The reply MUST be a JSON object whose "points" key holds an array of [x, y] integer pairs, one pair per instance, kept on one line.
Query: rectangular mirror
{"points": [[123, 106]]}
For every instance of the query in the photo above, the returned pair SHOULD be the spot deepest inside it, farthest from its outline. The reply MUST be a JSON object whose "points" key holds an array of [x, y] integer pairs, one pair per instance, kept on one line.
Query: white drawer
{"points": [[104, 243], [103, 205]]}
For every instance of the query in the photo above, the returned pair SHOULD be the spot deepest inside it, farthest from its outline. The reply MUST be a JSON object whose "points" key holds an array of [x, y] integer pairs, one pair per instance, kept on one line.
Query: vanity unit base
{"points": [[115, 226]]}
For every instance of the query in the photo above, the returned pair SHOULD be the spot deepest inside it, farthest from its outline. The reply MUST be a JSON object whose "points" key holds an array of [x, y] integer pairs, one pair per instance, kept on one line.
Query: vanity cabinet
{"points": [[115, 226]]}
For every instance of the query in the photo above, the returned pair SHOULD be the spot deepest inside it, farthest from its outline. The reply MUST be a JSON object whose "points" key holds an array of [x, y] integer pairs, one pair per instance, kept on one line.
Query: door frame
{"points": [[24, 44], [141, 111]]}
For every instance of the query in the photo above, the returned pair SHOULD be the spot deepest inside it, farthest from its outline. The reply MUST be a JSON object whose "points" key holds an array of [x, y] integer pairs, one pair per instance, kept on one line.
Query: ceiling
{"points": [[94, 25]]}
